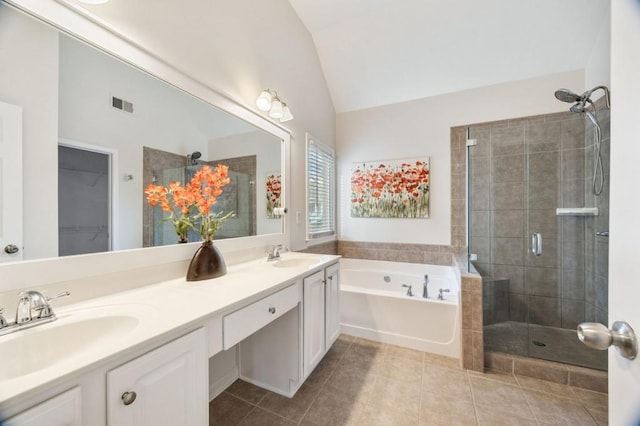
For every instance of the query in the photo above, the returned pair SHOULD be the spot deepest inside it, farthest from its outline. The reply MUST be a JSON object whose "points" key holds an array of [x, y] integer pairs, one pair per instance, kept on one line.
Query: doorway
{"points": [[84, 201]]}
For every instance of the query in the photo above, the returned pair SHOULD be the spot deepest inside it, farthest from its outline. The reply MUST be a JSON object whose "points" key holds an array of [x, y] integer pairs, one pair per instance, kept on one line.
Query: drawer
{"points": [[246, 321]]}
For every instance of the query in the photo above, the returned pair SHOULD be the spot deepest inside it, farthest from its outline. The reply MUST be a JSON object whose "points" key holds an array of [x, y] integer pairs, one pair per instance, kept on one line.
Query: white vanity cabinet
{"points": [[167, 386], [314, 321], [332, 304], [61, 410], [321, 315]]}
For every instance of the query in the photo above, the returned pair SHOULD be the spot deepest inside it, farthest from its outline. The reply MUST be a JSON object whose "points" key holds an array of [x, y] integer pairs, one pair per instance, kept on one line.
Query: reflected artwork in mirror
{"points": [[78, 97]]}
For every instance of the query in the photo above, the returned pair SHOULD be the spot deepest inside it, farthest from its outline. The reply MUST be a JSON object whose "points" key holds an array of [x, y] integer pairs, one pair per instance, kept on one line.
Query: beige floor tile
{"points": [[552, 409], [259, 417], [376, 415], [439, 360], [352, 384], [322, 372], [395, 395], [446, 383], [440, 411], [332, 409], [591, 398], [227, 410], [544, 386], [502, 396], [600, 415], [246, 391], [400, 369], [497, 376], [489, 416], [404, 353], [290, 408]]}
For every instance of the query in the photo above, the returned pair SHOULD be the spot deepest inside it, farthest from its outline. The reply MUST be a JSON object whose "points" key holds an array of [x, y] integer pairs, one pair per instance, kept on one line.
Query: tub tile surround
{"points": [[361, 382]]}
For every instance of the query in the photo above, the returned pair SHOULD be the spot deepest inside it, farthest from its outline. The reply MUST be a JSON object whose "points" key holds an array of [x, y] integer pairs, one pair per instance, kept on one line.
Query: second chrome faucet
{"points": [[425, 287]]}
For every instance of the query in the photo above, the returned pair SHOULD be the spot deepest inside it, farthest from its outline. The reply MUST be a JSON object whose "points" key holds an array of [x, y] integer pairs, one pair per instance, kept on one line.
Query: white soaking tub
{"points": [[374, 305]]}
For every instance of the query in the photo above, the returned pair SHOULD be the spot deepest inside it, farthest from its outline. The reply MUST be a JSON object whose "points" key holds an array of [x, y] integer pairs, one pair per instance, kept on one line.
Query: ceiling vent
{"points": [[121, 104]]}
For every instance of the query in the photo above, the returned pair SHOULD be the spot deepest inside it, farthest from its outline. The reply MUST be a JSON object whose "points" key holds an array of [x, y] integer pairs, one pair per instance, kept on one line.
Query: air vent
{"points": [[121, 104]]}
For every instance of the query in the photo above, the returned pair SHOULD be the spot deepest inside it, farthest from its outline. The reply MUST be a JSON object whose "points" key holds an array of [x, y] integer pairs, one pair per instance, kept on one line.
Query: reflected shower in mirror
{"points": [[77, 96]]}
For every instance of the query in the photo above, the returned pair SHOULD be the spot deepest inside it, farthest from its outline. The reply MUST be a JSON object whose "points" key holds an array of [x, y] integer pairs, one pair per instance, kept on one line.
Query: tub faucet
{"points": [[442, 290], [425, 289], [409, 290]]}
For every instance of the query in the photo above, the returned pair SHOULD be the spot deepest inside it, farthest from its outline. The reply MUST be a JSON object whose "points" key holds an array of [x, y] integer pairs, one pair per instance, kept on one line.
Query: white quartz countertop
{"points": [[131, 319]]}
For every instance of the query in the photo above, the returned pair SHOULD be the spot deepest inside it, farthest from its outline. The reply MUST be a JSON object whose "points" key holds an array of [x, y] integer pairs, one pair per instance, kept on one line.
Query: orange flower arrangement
{"points": [[197, 195]]}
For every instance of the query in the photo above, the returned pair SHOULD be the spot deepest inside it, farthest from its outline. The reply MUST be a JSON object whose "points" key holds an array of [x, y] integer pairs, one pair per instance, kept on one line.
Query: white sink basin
{"points": [[45, 346], [296, 262]]}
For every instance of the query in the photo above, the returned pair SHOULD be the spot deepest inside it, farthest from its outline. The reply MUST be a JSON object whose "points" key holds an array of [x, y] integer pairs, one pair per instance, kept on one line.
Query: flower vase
{"points": [[207, 263]]}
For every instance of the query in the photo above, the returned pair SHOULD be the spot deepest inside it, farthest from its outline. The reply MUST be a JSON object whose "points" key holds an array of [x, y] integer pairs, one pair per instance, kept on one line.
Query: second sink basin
{"points": [[296, 262]]}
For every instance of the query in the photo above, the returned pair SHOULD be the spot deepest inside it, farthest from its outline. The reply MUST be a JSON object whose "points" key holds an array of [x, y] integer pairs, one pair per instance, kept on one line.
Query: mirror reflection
{"points": [[113, 130]]}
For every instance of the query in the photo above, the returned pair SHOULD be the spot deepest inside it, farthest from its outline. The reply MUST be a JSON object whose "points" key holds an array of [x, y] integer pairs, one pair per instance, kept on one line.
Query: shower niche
{"points": [[543, 272]]}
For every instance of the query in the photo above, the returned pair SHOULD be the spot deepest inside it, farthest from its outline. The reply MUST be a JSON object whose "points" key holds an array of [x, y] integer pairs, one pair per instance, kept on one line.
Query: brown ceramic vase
{"points": [[206, 263]]}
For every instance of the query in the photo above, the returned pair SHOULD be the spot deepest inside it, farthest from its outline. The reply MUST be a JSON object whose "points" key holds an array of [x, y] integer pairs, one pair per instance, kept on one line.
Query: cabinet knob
{"points": [[272, 310], [128, 398]]}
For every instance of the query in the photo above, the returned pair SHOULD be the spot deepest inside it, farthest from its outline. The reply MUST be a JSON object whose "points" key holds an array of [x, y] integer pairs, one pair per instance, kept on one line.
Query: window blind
{"points": [[320, 190]]}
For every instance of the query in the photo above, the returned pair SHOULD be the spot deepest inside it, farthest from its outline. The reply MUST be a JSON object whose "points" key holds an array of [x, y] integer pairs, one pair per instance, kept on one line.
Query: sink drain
{"points": [[537, 343]]}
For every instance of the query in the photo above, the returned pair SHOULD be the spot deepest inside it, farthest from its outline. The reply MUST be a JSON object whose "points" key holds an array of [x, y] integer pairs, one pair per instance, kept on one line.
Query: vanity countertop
{"points": [[134, 318]]}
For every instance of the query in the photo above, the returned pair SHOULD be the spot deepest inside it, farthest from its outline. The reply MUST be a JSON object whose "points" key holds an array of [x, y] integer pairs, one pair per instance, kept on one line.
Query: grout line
{"points": [[473, 398]]}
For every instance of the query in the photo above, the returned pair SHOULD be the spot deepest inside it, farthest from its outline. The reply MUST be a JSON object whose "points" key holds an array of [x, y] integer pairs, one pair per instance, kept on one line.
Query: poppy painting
{"points": [[390, 189], [274, 191]]}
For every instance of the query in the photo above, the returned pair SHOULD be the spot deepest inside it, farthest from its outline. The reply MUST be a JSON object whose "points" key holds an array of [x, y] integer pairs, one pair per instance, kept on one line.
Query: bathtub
{"points": [[375, 306]]}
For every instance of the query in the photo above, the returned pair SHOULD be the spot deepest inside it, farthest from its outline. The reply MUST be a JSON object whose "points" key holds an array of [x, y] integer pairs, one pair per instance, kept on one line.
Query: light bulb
{"points": [[276, 109], [264, 100], [286, 113]]}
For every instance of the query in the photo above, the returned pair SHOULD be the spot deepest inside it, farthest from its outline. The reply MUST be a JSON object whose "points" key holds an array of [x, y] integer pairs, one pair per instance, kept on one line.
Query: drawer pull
{"points": [[272, 310], [128, 398]]}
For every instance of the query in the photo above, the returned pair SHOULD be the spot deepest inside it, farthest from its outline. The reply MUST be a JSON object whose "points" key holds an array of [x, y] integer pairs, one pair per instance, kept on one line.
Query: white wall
{"points": [[422, 128], [29, 78], [598, 69]]}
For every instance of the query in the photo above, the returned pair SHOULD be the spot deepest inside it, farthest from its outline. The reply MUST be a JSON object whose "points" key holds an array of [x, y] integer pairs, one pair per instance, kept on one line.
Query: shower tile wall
{"points": [[521, 171]]}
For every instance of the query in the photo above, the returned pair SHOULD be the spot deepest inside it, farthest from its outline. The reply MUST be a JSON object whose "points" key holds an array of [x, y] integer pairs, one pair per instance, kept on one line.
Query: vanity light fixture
{"points": [[269, 101]]}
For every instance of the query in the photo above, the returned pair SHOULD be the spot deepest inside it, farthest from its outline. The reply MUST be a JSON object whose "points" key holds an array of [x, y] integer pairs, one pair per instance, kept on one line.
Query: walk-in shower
{"points": [[535, 177]]}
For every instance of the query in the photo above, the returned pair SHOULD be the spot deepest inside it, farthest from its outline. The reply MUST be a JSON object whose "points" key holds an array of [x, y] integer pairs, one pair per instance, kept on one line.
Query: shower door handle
{"points": [[536, 243]]}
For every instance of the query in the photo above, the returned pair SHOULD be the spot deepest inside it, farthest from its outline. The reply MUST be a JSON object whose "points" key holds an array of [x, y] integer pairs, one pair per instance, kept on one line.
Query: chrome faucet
{"points": [[425, 284], [33, 302], [442, 290], [33, 309], [409, 290], [274, 253]]}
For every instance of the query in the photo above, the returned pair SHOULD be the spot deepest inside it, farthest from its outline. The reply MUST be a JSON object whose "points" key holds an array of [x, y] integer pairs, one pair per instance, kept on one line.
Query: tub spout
{"points": [[425, 285]]}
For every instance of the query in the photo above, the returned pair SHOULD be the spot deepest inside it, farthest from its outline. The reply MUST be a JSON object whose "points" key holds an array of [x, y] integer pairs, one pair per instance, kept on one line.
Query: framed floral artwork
{"points": [[274, 191], [390, 189]]}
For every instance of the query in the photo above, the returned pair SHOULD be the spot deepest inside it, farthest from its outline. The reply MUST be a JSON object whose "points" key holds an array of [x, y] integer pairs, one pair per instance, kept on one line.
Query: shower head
{"points": [[566, 95], [193, 157]]}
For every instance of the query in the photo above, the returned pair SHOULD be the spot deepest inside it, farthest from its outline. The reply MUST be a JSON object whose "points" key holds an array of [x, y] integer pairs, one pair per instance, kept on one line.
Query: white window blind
{"points": [[320, 190]]}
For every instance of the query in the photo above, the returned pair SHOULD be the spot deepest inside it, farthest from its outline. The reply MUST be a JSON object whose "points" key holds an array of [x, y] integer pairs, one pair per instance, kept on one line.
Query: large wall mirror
{"points": [[96, 131]]}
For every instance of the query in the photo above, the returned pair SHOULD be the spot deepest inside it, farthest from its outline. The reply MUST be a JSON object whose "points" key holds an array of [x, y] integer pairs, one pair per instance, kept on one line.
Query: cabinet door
{"points": [[169, 385], [332, 308], [314, 335], [61, 410]]}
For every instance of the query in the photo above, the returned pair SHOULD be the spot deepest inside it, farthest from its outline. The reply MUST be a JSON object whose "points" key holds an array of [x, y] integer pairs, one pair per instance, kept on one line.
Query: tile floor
{"points": [[360, 382]]}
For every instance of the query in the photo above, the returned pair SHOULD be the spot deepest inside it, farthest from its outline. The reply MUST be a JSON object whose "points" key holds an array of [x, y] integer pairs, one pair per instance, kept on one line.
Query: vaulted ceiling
{"points": [[378, 52]]}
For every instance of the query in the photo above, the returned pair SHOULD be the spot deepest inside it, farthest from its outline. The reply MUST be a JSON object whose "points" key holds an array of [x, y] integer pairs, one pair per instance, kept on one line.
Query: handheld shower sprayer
{"points": [[580, 107]]}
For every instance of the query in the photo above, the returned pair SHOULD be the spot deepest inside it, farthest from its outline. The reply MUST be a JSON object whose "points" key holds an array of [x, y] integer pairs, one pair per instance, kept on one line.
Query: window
{"points": [[320, 189]]}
